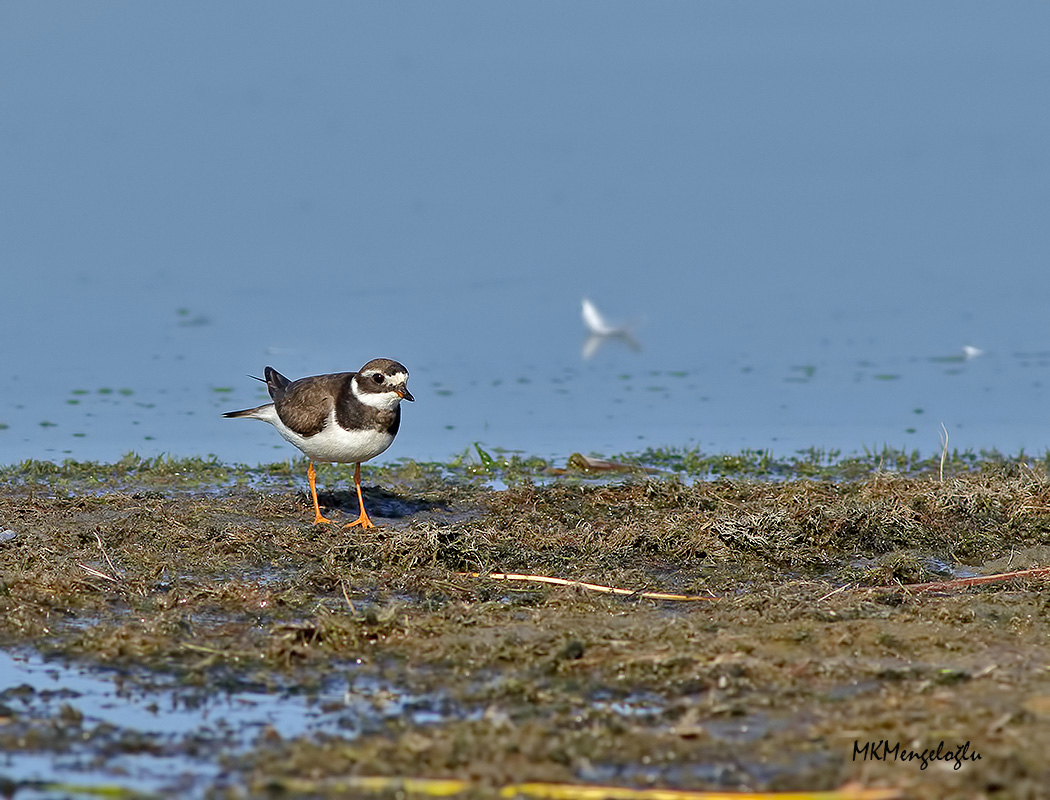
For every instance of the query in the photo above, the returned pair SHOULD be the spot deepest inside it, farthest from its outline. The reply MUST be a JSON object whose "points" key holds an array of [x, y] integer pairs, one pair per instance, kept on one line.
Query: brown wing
{"points": [[304, 405]]}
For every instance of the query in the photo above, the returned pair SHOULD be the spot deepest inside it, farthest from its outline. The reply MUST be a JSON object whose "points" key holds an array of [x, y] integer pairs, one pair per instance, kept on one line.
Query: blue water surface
{"points": [[806, 209]]}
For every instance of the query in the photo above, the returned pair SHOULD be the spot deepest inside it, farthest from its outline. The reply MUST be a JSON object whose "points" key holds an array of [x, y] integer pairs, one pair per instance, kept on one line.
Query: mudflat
{"points": [[823, 629]]}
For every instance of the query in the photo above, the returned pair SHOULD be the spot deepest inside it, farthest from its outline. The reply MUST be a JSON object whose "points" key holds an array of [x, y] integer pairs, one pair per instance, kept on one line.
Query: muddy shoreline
{"points": [[208, 580]]}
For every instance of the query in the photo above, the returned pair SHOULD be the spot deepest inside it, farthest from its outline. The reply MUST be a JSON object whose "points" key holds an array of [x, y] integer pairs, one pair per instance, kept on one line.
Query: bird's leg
{"points": [[363, 519], [311, 474]]}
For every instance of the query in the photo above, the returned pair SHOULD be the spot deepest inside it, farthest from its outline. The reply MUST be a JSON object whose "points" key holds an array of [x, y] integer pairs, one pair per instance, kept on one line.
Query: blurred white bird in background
{"points": [[599, 330]]}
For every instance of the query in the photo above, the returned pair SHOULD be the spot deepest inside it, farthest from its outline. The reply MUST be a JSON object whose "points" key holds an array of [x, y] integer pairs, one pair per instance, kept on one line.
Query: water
{"points": [[809, 209], [167, 739]]}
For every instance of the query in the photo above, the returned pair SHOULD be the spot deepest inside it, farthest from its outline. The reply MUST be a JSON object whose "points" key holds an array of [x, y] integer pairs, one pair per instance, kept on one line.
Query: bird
{"points": [[343, 417], [599, 330]]}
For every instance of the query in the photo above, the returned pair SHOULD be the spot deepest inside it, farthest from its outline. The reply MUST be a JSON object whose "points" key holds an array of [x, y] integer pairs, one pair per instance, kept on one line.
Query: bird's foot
{"points": [[362, 520]]}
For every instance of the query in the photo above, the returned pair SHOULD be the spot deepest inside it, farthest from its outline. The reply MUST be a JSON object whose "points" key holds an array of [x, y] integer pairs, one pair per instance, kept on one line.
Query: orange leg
{"points": [[312, 475], [363, 519]]}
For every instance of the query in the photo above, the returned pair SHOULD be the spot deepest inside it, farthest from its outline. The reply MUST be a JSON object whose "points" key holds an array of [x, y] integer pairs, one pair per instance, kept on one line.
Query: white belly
{"points": [[332, 443]]}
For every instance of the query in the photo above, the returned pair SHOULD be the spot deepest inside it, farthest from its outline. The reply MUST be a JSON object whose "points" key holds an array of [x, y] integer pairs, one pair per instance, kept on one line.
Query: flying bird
{"points": [[600, 330]]}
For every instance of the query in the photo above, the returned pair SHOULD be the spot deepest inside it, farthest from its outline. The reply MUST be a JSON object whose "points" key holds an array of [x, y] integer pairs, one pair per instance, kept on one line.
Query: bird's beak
{"points": [[404, 394]]}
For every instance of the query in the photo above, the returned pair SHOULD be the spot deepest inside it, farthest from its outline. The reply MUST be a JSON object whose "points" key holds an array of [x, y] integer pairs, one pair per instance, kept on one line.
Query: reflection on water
{"points": [[819, 237]]}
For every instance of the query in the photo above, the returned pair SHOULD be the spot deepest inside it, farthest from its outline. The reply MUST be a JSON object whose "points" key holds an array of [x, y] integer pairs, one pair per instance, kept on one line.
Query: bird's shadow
{"points": [[380, 503]]}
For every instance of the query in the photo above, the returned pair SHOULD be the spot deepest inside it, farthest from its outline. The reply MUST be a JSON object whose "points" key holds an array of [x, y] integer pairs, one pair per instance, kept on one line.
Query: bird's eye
{"points": [[378, 377]]}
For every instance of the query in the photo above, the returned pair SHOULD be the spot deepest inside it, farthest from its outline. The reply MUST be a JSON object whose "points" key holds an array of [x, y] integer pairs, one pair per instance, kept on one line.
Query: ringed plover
{"points": [[346, 417]]}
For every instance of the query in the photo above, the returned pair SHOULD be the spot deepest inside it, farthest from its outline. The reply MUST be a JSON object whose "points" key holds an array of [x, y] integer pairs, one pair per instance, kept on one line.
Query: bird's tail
{"points": [[275, 382], [248, 412]]}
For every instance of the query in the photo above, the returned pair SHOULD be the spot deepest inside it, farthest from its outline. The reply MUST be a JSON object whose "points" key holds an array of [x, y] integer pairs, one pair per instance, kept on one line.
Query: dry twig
{"points": [[593, 587]]}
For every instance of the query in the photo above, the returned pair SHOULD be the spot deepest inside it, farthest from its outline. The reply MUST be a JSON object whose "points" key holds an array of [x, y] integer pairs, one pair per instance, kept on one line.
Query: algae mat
{"points": [[799, 662]]}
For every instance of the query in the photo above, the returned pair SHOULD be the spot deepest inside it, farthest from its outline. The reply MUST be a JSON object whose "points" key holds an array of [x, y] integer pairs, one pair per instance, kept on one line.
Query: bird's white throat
{"points": [[384, 401]]}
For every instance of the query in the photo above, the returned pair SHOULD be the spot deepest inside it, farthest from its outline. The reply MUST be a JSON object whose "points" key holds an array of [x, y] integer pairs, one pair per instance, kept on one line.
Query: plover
{"points": [[345, 417]]}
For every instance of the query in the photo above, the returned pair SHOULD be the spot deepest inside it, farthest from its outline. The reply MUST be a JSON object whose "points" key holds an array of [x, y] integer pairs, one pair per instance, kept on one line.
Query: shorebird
{"points": [[345, 417]]}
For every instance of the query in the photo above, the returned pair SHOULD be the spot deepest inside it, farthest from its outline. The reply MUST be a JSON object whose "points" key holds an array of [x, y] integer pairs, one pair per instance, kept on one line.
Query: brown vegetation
{"points": [[813, 646]]}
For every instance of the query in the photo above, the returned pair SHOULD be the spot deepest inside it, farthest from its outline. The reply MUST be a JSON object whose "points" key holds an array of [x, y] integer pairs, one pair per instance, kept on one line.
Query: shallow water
{"points": [[160, 737], [808, 211]]}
